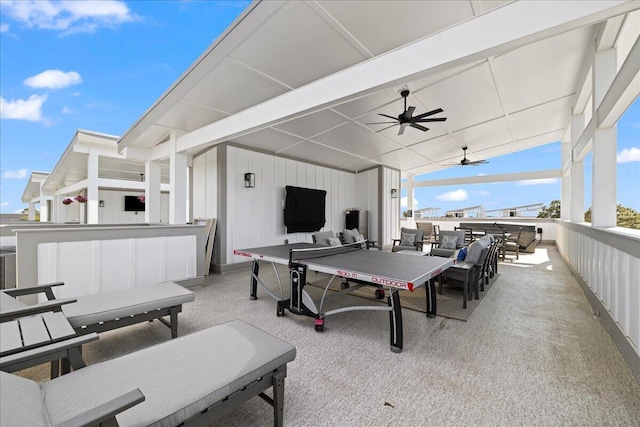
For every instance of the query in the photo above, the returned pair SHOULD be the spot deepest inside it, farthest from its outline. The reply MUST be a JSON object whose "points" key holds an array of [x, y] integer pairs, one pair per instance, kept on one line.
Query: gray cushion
{"points": [[91, 309], [7, 302], [475, 250], [449, 242], [445, 253], [350, 236], [179, 378], [334, 241], [322, 237], [418, 233], [20, 402], [407, 239], [459, 233]]}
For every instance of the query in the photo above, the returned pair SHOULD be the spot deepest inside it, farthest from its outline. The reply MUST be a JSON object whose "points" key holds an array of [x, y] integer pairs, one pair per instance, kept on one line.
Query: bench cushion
{"points": [[20, 402], [105, 306], [179, 378]]}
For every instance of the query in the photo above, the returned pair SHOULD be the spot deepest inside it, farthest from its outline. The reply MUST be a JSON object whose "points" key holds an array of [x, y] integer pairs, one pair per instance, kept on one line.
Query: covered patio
{"points": [[289, 91], [531, 354]]}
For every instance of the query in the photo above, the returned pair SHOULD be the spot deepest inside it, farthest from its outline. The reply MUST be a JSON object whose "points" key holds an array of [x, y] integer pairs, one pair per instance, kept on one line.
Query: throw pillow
{"points": [[350, 235], [334, 241], [448, 242], [474, 252], [360, 238], [407, 239], [462, 254]]}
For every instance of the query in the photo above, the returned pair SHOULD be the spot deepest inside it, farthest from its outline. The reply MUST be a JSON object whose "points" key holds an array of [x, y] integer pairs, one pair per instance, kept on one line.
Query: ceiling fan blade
{"points": [[422, 128], [387, 116], [478, 162], [409, 113], [395, 124], [435, 119], [402, 127], [430, 113], [380, 123]]}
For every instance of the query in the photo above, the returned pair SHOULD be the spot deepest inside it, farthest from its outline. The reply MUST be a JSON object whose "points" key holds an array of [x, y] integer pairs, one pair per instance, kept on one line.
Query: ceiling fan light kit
{"points": [[407, 119]]}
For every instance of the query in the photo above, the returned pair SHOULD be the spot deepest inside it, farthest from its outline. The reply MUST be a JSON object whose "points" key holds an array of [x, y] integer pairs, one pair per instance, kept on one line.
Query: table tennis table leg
{"points": [[254, 281], [395, 319], [431, 296]]}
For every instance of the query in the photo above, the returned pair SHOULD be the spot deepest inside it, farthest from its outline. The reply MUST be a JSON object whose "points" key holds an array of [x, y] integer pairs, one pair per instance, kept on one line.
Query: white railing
{"points": [[608, 262]]}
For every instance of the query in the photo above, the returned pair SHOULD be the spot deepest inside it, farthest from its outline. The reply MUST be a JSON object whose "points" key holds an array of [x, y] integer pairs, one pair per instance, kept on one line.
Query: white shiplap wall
{"points": [[205, 183], [367, 198], [113, 211], [390, 206], [255, 215]]}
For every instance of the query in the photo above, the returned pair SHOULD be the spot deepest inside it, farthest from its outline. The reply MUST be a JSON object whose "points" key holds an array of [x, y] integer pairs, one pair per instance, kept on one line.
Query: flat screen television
{"points": [[304, 209], [133, 204]]}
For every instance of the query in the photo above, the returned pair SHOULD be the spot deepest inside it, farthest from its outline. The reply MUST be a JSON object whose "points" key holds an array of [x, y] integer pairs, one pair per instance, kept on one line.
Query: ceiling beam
{"points": [[483, 179], [624, 89], [496, 32]]}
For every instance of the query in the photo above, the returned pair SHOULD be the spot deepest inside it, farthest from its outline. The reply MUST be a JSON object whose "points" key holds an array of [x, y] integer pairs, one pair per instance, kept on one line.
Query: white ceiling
{"points": [[494, 105]]}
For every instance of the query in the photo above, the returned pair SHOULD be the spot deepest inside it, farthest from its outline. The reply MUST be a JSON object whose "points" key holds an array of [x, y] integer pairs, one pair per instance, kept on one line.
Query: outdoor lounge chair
{"points": [[110, 310], [194, 380]]}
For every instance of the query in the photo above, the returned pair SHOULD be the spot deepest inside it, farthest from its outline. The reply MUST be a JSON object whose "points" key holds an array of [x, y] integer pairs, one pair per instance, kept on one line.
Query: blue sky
{"points": [[100, 65]]}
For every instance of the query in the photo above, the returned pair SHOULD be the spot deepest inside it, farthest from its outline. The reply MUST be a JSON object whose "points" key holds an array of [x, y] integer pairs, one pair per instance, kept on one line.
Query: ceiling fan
{"points": [[467, 162], [406, 118]]}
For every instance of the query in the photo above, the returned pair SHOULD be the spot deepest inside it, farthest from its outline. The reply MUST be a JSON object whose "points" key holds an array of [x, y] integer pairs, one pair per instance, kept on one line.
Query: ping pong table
{"points": [[360, 267]]}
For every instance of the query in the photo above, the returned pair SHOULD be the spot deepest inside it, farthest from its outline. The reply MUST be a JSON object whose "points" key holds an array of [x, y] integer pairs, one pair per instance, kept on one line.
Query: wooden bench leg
{"points": [[278, 398], [174, 321]]}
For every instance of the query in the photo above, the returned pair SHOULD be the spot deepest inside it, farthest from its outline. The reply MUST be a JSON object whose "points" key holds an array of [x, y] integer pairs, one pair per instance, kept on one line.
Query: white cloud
{"points": [[3, 204], [453, 196], [53, 79], [68, 16], [484, 193], [15, 174], [67, 110], [629, 155], [4, 28], [403, 203], [541, 181], [23, 109]]}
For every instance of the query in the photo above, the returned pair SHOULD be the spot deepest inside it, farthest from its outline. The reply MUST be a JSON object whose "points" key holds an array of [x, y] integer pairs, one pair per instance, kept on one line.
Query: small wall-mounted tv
{"points": [[133, 204], [304, 209]]}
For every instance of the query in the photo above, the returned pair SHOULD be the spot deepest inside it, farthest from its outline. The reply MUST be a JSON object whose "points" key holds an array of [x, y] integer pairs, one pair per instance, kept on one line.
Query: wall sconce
{"points": [[101, 203], [249, 180], [394, 193]]}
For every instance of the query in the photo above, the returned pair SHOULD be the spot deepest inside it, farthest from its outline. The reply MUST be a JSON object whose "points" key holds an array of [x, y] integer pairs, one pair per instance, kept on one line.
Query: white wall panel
{"points": [[115, 252], [256, 216], [180, 257], [149, 261], [75, 267], [113, 211]]}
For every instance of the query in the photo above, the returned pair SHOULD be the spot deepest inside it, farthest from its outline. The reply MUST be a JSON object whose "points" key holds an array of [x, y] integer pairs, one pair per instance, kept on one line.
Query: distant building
{"points": [[518, 211], [426, 213], [471, 212]]}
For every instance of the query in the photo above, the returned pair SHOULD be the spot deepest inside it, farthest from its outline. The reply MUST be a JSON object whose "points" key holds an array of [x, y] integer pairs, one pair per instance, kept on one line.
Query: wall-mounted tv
{"points": [[304, 209], [133, 204]]}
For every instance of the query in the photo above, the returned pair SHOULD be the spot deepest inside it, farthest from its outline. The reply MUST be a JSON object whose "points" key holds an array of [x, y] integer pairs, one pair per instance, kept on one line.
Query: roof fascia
{"points": [[241, 27]]}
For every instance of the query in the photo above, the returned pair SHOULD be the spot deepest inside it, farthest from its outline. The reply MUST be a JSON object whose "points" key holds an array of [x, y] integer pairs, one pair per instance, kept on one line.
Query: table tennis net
{"points": [[312, 253]]}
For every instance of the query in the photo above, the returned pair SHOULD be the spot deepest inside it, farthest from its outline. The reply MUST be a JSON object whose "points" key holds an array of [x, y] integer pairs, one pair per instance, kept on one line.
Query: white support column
{"points": [[565, 190], [44, 208], [603, 198], [152, 209], [178, 177], [32, 212], [576, 207], [92, 188], [55, 209]]}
